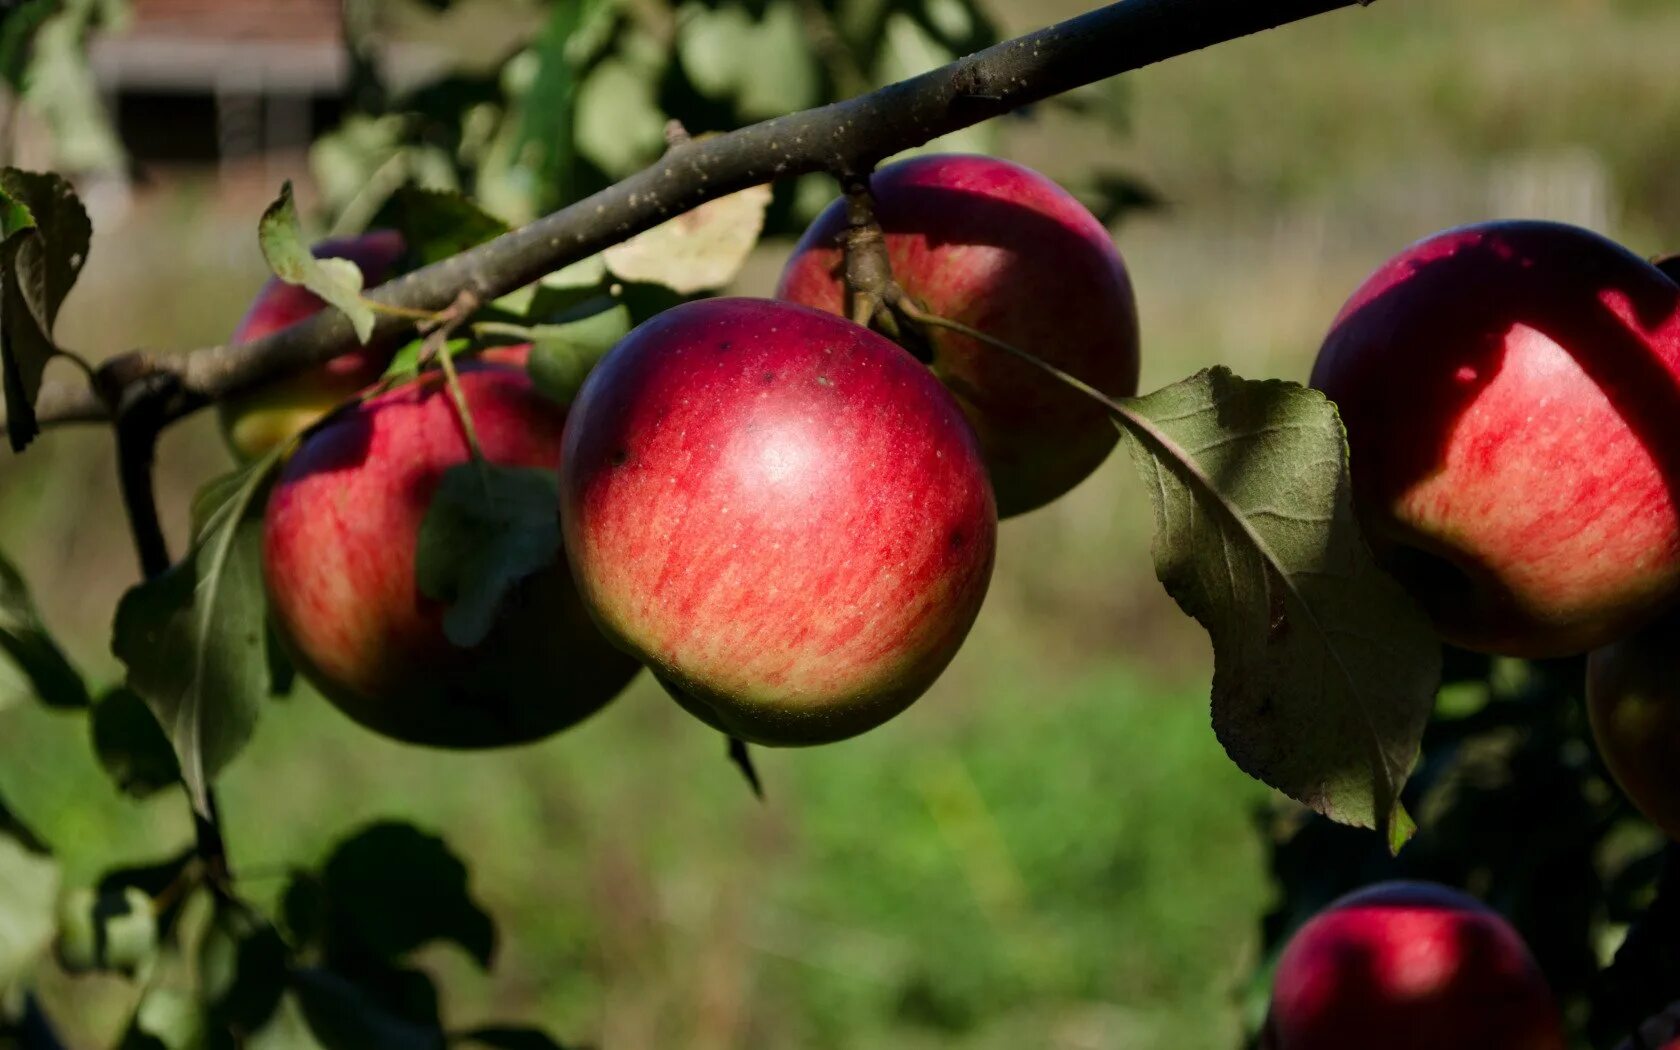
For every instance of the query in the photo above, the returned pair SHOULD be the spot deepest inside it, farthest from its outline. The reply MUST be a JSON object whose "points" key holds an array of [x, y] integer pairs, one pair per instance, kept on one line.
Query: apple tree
{"points": [[501, 447]]}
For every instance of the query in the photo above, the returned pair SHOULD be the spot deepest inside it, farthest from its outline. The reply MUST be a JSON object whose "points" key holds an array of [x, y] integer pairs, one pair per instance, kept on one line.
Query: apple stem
{"points": [[872, 290], [438, 329], [452, 379], [905, 305]]}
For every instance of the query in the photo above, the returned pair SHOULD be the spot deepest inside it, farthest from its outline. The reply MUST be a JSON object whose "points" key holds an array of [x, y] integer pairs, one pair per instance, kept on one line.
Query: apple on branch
{"points": [[1003, 250], [340, 537], [1511, 393], [1408, 966], [255, 423], [782, 513]]}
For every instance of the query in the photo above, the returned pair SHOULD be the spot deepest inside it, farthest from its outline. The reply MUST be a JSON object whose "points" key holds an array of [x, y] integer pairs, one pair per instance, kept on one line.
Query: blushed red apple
{"points": [[1511, 393], [782, 513], [1407, 966], [256, 422], [1006, 251], [339, 539], [1633, 706]]}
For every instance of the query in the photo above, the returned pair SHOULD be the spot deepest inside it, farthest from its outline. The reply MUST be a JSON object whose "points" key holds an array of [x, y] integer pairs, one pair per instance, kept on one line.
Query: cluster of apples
{"points": [[1511, 393], [787, 517]]}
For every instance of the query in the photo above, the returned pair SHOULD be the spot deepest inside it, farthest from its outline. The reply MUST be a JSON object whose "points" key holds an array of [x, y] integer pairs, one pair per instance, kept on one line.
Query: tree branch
{"points": [[845, 138]]}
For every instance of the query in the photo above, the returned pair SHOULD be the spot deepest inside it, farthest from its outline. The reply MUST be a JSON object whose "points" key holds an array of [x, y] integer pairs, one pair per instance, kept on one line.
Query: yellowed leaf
{"points": [[698, 250]]}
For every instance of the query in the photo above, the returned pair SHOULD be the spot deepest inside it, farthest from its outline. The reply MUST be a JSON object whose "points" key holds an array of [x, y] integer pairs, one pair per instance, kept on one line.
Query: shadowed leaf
{"points": [[1324, 670]]}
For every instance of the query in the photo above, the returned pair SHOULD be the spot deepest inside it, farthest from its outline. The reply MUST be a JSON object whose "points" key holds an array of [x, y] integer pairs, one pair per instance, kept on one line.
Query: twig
{"points": [[844, 138]]}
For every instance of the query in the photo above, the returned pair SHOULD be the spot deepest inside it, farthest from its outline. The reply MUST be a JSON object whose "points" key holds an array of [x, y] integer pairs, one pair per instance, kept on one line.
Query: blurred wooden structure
{"points": [[202, 82]]}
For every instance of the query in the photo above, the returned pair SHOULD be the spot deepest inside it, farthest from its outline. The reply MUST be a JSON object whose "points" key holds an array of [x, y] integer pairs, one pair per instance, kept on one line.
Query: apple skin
{"points": [[255, 423], [781, 513], [1511, 393], [1004, 250], [339, 539], [1407, 965], [1633, 706]]}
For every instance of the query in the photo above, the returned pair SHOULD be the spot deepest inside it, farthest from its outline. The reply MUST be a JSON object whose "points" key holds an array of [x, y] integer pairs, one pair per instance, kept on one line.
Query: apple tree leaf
{"points": [[28, 906], [698, 250], [344, 1017], [112, 930], [1325, 671], [437, 224], [337, 282], [37, 657], [384, 892], [488, 527], [44, 237], [564, 353], [194, 639], [131, 745]]}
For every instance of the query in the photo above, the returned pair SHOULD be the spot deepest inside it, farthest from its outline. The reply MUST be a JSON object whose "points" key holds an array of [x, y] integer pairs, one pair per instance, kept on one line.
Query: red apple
{"points": [[339, 540], [1407, 966], [1003, 250], [1633, 705], [780, 512], [1512, 399], [257, 422]]}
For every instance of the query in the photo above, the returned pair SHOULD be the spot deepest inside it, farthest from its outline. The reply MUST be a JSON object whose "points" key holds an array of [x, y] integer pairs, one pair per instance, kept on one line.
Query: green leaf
{"points": [[488, 528], [25, 640], [44, 237], [338, 282], [783, 73], [194, 639], [343, 1017], [698, 250], [1324, 670], [17, 31], [438, 224], [171, 1017], [386, 891], [62, 90], [242, 967], [114, 930], [27, 913], [131, 745], [562, 355], [620, 126], [710, 43]]}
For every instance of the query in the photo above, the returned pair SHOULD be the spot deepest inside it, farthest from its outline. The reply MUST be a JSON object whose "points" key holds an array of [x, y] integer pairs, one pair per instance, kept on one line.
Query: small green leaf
{"points": [[44, 237], [172, 1017], [343, 1017], [388, 890], [488, 527], [563, 354], [25, 640], [131, 745], [194, 639], [438, 224], [620, 126], [27, 913], [113, 930], [784, 74], [698, 250], [17, 30], [242, 968], [336, 281], [1325, 671]]}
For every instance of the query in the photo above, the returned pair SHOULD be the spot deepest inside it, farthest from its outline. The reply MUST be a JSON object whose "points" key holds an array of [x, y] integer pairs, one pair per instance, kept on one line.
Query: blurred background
{"points": [[1050, 849]]}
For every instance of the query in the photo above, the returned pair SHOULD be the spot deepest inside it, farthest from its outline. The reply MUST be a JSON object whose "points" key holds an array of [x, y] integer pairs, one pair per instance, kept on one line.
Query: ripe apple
{"points": [[1003, 250], [1511, 393], [1633, 705], [339, 539], [782, 513], [1408, 965], [256, 422]]}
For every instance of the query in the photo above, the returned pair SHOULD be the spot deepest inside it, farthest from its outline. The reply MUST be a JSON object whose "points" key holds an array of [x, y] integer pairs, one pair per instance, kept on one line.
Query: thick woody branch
{"points": [[845, 138]]}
